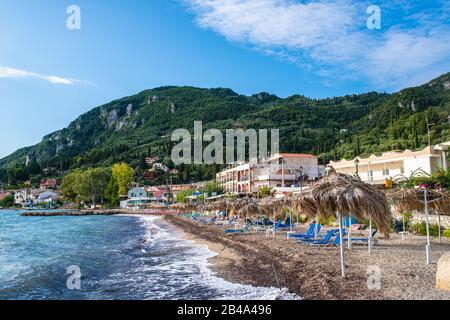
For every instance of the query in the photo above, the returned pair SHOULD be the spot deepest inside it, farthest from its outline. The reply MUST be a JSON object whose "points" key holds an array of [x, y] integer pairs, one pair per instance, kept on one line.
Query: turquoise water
{"points": [[120, 257]]}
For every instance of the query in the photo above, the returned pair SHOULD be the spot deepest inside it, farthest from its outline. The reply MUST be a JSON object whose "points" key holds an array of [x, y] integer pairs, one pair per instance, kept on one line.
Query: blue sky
{"points": [[49, 74]]}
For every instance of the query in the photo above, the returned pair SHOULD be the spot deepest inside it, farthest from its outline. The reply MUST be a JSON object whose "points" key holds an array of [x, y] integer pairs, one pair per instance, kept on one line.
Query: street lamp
{"points": [[301, 178], [357, 166]]}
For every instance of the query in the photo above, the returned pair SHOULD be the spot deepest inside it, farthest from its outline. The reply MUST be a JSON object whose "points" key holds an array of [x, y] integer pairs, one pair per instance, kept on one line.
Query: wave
{"points": [[191, 261]]}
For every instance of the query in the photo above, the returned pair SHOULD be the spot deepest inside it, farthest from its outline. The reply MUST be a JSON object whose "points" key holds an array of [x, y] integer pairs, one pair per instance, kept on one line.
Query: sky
{"points": [[50, 74]]}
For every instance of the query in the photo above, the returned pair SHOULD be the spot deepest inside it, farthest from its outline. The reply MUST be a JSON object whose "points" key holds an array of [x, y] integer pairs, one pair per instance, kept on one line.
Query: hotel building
{"points": [[280, 170], [393, 165]]}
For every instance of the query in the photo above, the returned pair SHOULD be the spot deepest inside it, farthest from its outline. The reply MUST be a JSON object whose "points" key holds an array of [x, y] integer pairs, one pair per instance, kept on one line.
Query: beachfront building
{"points": [[46, 197], [156, 192], [143, 197], [21, 196], [137, 198], [35, 197], [394, 164], [280, 170]]}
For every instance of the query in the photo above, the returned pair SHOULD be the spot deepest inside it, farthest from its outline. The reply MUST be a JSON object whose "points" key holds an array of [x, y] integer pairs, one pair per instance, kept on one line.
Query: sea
{"points": [[109, 258]]}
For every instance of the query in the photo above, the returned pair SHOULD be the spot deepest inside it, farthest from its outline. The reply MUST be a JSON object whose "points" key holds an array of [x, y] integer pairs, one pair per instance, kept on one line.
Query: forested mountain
{"points": [[139, 126]]}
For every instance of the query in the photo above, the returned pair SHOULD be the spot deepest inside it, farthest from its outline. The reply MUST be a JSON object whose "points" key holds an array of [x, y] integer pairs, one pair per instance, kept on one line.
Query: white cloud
{"points": [[7, 72], [332, 35], [410, 58]]}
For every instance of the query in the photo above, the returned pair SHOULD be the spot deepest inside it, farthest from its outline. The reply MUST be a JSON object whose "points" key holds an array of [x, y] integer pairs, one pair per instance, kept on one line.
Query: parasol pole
{"points": [[316, 226], [370, 236], [341, 242], [428, 245], [290, 224], [404, 226], [439, 227], [350, 232]]}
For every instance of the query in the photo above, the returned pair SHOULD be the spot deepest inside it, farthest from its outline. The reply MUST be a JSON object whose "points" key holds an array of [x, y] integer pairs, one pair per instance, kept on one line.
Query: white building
{"points": [[20, 196], [392, 165], [280, 170], [31, 197], [138, 198]]}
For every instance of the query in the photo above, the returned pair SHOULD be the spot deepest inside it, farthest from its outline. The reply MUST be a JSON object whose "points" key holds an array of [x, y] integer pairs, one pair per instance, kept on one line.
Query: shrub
{"points": [[327, 222], [407, 216], [422, 229], [446, 233]]}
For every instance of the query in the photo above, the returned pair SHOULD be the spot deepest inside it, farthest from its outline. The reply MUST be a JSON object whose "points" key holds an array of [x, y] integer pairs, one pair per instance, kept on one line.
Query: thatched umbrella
{"points": [[240, 203], [251, 209], [422, 199], [275, 207], [339, 193]]}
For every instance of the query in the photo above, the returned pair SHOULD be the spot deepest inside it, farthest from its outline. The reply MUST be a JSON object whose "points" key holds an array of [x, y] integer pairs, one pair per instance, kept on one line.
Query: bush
{"points": [[446, 233], [407, 216], [7, 202], [422, 229], [328, 222]]}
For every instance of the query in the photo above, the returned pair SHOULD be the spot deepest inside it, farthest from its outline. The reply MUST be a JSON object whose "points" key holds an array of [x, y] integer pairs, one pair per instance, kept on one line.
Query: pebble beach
{"points": [[313, 273]]}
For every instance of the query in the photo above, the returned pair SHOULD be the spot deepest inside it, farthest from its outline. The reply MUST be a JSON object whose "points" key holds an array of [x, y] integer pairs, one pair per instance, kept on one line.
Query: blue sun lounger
{"points": [[226, 223], [309, 234], [244, 230], [280, 225], [364, 240], [326, 240]]}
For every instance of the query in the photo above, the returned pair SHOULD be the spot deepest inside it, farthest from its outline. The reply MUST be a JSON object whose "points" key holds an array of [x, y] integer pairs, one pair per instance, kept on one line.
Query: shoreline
{"points": [[85, 212], [313, 273], [251, 260], [309, 272]]}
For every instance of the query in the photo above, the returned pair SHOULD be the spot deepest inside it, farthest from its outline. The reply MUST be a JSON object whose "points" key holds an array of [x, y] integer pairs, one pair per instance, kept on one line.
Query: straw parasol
{"points": [[422, 199], [251, 209], [412, 200], [406, 199], [338, 194]]}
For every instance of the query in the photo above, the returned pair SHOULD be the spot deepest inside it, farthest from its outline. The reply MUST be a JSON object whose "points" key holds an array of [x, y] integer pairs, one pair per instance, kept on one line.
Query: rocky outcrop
{"points": [[69, 213]]}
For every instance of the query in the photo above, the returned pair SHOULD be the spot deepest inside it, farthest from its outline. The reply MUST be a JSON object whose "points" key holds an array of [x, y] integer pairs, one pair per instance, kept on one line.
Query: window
{"points": [[370, 175], [386, 172]]}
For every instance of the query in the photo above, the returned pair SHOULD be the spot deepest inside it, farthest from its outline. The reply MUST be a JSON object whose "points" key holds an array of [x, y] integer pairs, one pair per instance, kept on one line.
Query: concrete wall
{"points": [[418, 218], [413, 164]]}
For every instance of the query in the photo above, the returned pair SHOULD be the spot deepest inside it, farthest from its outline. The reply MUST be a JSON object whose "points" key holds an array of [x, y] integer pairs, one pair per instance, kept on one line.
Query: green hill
{"points": [[132, 128]]}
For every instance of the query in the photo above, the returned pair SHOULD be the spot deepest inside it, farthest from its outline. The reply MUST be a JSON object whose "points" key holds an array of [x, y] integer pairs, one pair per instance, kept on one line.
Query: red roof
{"points": [[49, 182], [297, 155]]}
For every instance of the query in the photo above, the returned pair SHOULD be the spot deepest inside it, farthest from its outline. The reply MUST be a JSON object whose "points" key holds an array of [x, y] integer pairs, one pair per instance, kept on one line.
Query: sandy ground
{"points": [[314, 273]]}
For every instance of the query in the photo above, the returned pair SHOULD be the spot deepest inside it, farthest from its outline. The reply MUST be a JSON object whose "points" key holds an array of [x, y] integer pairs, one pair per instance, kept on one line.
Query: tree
{"points": [[88, 185], [112, 192], [264, 192], [92, 185], [212, 187], [123, 175], [69, 184], [181, 196], [7, 201]]}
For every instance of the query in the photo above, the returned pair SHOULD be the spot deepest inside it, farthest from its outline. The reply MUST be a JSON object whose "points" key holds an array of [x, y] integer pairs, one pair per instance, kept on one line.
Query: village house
{"points": [[156, 192], [49, 184], [137, 198], [35, 197]]}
